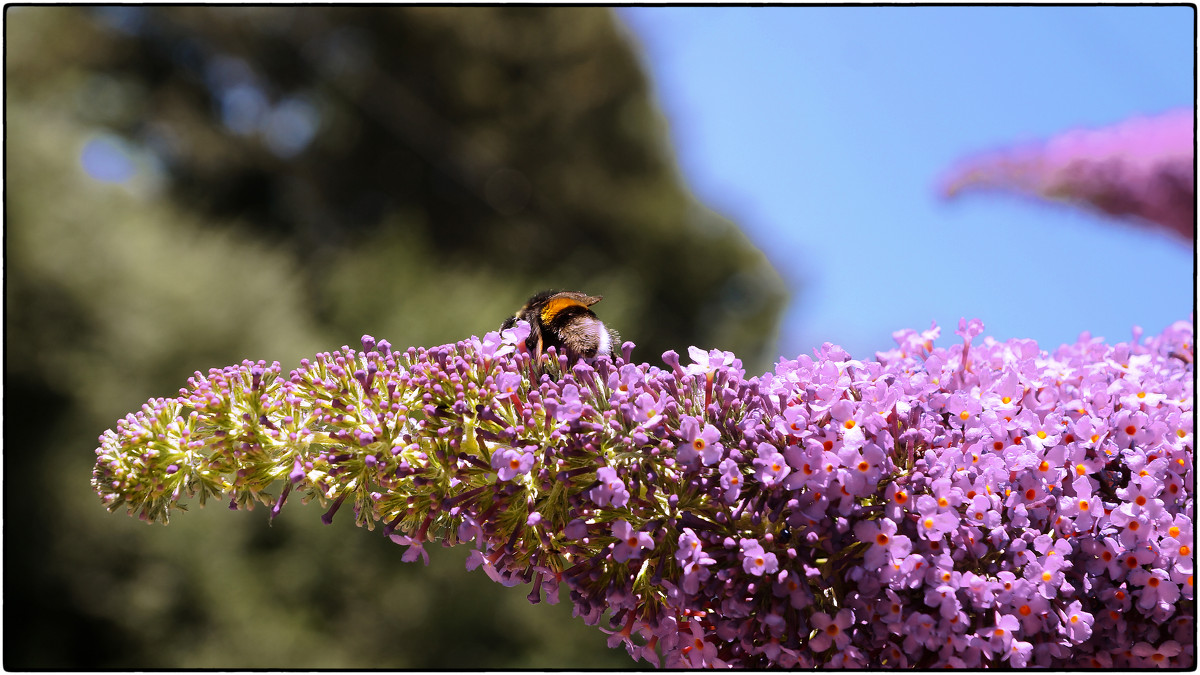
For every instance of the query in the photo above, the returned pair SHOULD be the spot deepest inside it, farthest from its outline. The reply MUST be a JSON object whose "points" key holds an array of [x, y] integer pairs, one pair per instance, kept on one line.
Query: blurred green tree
{"points": [[191, 186]]}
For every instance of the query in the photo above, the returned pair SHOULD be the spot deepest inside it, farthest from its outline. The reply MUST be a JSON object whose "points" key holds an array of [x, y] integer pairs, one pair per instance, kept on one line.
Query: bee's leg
{"points": [[536, 363]]}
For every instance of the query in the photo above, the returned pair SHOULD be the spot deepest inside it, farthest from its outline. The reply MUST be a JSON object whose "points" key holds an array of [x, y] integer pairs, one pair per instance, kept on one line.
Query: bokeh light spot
{"points": [[105, 158]]}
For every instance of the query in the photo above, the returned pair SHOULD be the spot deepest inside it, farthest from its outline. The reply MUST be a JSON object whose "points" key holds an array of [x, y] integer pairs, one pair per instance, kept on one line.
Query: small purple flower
{"points": [[789, 585], [1156, 587], [709, 362], [629, 542], [1077, 624], [691, 552], [831, 631], [1140, 497], [698, 442], [919, 631], [1019, 653], [755, 560], [891, 609], [646, 410], [1106, 556], [963, 408], [849, 417], [611, 489], [1177, 544], [1160, 656], [569, 407], [1046, 574], [933, 523], [731, 480], [943, 598], [886, 545], [771, 466], [812, 466], [511, 462], [507, 384], [795, 420], [1084, 507], [517, 334], [864, 467], [416, 549], [1000, 636], [698, 650], [969, 330]]}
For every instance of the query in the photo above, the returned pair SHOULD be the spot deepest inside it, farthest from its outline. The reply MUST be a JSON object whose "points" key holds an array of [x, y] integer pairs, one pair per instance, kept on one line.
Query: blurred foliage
{"points": [[191, 186]]}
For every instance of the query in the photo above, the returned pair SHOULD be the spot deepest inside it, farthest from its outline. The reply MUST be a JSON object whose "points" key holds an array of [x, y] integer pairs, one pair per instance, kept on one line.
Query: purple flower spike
{"points": [[986, 504], [1141, 168]]}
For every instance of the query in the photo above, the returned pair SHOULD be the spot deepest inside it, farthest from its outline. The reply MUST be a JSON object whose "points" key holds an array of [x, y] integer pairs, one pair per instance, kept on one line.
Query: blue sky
{"points": [[823, 132]]}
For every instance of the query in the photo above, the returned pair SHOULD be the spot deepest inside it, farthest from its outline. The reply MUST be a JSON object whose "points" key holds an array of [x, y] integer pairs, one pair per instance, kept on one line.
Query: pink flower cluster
{"points": [[980, 505], [985, 504], [1143, 168]]}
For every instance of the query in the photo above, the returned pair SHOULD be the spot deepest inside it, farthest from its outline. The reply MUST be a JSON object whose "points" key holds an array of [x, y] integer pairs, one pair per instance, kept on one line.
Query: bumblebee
{"points": [[564, 320]]}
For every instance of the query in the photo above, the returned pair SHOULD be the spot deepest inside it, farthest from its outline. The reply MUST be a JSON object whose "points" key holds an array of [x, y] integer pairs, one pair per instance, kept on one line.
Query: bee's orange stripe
{"points": [[556, 305]]}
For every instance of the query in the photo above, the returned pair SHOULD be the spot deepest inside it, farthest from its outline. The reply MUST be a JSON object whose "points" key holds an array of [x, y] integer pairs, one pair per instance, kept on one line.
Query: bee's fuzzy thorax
{"points": [[564, 320]]}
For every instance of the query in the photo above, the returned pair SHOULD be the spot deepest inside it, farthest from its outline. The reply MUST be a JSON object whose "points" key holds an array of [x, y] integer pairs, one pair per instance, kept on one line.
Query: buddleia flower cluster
{"points": [[985, 504], [1142, 170]]}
